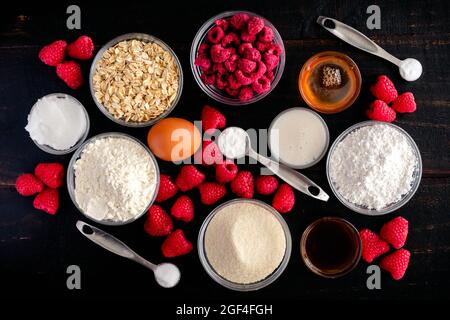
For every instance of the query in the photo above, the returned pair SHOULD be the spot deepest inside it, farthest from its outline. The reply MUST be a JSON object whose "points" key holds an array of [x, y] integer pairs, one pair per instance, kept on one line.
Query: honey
{"points": [[329, 82]]}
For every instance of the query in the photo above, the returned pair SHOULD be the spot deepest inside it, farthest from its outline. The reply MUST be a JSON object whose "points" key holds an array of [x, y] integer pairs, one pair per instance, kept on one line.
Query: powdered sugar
{"points": [[373, 166]]}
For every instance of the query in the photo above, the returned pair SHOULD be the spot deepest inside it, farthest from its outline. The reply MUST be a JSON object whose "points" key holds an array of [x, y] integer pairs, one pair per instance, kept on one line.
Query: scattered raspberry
{"points": [[261, 85], [70, 73], [252, 54], [82, 48], [231, 38], [270, 60], [203, 62], [211, 192], [372, 245], [212, 119], [247, 37], [215, 35], [222, 23], [234, 83], [27, 184], [395, 232], [176, 245], [222, 81], [244, 46], [208, 78], [167, 189], [231, 64], [189, 177], [242, 78], [226, 171], [266, 185], [255, 25], [396, 263], [158, 222], [51, 174], [247, 66], [219, 54], [183, 209], [379, 110], [404, 103], [284, 198], [246, 93], [243, 184], [47, 201], [384, 89], [239, 21], [210, 154], [275, 49], [266, 35], [53, 54]]}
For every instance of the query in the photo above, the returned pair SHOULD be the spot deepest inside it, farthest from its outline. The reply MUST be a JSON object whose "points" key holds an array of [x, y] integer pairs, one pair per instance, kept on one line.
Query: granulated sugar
{"points": [[373, 166], [244, 243]]}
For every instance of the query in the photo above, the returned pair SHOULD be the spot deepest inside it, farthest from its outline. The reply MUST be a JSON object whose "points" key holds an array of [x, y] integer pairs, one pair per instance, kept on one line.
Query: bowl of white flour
{"points": [[374, 167], [113, 178]]}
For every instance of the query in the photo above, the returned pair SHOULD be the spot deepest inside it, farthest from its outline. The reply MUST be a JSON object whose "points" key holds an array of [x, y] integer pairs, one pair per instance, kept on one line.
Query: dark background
{"points": [[36, 248]]}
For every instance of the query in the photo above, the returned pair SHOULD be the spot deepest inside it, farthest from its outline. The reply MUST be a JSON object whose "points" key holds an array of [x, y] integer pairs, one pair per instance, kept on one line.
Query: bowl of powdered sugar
{"points": [[374, 167], [113, 179]]}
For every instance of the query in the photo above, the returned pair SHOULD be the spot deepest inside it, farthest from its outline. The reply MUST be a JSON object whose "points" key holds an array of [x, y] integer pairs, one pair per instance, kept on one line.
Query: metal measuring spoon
{"points": [[167, 275], [238, 146], [410, 69]]}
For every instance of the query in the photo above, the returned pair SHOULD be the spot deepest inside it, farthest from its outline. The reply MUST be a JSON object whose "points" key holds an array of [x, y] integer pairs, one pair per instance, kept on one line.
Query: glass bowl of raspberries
{"points": [[237, 57]]}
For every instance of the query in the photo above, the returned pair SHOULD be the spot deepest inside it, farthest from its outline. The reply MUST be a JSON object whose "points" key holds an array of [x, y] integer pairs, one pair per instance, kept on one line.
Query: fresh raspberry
{"points": [[383, 89], [252, 54], [158, 222], [208, 78], [261, 85], [284, 198], [243, 184], [219, 54], [222, 81], [232, 51], [379, 110], [212, 118], [275, 49], [47, 201], [231, 64], [239, 21], [266, 34], [215, 35], [243, 78], [245, 94], [27, 184], [210, 153], [53, 54], [226, 171], [261, 69], [396, 263], [395, 232], [231, 38], [372, 245], [222, 23], [51, 174], [183, 209], [244, 46], [266, 185], [404, 103], [261, 46], [202, 49], [247, 66], [247, 37], [233, 92], [255, 25], [269, 75], [219, 68], [211, 192], [203, 62], [233, 83], [70, 73], [82, 48], [167, 189], [176, 245], [270, 60], [189, 177]]}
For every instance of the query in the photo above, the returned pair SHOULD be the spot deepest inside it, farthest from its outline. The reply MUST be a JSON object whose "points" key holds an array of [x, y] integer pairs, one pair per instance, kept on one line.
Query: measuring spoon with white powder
{"points": [[167, 275], [410, 69], [234, 143]]}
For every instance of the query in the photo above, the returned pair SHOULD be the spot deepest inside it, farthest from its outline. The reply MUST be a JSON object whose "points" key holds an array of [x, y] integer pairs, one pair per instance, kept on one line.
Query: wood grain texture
{"points": [[35, 248]]}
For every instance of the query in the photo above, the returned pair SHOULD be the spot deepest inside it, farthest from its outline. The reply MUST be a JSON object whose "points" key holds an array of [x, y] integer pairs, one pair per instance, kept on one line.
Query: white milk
{"points": [[298, 137]]}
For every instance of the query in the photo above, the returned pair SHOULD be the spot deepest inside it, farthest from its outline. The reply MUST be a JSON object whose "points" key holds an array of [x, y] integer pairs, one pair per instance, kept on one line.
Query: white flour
{"points": [[373, 166], [114, 179]]}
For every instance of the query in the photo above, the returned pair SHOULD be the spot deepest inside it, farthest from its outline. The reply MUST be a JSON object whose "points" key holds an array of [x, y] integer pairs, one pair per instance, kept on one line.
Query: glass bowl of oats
{"points": [[136, 79]]}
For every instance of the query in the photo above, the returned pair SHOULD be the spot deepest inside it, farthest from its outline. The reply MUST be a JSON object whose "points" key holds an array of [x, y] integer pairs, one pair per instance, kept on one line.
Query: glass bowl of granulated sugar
{"points": [[244, 244], [374, 167]]}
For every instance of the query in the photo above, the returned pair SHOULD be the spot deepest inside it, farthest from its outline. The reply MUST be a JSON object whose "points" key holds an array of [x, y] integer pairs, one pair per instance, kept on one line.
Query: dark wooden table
{"points": [[36, 248]]}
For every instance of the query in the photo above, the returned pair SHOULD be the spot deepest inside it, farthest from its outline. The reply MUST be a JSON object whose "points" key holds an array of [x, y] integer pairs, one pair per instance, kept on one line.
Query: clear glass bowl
{"points": [[238, 286], [417, 175], [142, 37], [211, 90], [49, 149], [71, 177]]}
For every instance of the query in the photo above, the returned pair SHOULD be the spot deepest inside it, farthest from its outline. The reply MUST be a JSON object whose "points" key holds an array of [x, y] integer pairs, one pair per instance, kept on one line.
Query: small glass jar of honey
{"points": [[329, 82]]}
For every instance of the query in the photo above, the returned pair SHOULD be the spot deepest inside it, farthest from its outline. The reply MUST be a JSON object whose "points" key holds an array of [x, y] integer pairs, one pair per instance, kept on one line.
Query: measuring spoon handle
{"points": [[355, 38]]}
